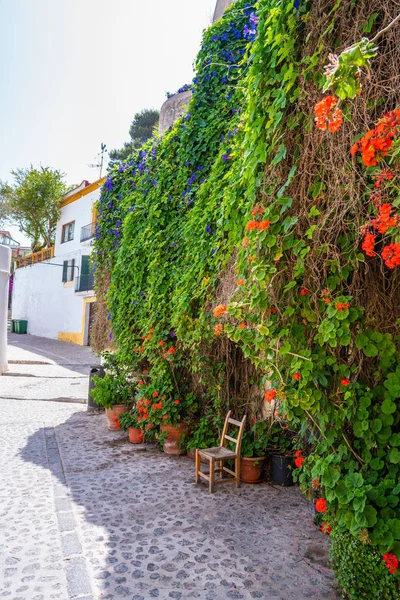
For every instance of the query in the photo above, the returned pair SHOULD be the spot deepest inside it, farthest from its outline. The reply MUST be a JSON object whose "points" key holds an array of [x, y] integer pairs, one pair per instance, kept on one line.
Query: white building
{"points": [[53, 288]]}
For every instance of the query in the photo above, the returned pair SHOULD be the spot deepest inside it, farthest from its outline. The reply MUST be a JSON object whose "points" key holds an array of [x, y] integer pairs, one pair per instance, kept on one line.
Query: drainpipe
{"points": [[5, 263]]}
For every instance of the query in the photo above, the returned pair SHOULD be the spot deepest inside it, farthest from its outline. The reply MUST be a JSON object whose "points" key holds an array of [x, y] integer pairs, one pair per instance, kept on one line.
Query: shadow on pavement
{"points": [[142, 529]]}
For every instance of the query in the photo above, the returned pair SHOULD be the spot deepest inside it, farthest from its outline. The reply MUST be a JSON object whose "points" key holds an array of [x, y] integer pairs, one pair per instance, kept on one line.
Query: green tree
{"points": [[141, 129], [32, 202]]}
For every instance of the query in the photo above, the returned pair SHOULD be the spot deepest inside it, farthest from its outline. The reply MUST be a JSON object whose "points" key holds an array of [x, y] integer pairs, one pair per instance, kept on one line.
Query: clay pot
{"points": [[112, 414], [135, 435], [251, 469], [174, 435]]}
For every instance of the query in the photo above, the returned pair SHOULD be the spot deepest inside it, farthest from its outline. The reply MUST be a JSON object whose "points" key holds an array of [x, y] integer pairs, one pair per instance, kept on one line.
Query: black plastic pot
{"points": [[95, 371], [282, 469]]}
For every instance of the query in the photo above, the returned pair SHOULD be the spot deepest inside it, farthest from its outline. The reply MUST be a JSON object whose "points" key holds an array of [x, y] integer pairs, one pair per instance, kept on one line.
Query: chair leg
{"points": [[212, 475], [237, 471], [221, 472], [197, 466]]}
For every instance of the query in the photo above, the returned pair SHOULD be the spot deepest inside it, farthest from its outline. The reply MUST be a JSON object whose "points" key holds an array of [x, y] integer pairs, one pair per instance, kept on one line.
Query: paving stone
{"points": [[87, 511]]}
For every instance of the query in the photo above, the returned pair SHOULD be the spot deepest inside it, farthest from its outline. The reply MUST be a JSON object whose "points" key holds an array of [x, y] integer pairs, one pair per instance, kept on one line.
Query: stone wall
{"points": [[220, 8], [172, 109]]}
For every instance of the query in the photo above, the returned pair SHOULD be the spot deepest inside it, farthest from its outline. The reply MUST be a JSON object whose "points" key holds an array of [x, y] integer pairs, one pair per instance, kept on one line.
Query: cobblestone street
{"points": [[85, 514]]}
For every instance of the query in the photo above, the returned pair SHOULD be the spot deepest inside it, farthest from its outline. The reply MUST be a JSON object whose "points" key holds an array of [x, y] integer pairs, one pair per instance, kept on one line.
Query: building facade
{"points": [[53, 288]]}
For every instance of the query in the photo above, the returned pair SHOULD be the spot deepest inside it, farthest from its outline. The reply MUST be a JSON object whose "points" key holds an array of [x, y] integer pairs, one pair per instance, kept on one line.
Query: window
{"points": [[68, 232], [68, 270]]}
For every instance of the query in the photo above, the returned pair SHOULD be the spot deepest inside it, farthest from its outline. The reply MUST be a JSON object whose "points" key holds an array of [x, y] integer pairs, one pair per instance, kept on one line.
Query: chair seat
{"points": [[218, 453]]}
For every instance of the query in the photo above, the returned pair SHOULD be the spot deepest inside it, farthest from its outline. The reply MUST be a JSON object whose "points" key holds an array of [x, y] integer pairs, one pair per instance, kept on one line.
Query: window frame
{"points": [[68, 227]]}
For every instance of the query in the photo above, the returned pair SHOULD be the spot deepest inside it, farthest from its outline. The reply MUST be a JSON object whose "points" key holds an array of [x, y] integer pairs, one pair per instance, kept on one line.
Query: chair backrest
{"points": [[238, 440]]}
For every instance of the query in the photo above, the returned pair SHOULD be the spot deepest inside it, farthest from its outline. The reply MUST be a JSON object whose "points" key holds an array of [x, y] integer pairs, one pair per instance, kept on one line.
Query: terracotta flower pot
{"points": [[135, 435], [112, 414], [174, 435], [251, 469]]}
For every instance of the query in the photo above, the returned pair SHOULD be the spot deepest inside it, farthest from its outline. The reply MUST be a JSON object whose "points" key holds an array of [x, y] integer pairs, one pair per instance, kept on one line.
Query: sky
{"points": [[74, 72]]}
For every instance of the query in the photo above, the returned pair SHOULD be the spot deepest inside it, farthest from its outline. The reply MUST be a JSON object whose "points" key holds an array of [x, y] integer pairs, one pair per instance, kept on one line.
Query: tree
{"points": [[141, 129], [32, 203]]}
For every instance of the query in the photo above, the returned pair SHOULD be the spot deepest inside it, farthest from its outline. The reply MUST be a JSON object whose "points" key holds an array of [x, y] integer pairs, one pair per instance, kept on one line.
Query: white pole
{"points": [[5, 263]]}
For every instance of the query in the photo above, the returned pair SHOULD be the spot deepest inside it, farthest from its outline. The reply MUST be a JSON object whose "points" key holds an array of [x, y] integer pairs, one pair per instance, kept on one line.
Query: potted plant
{"points": [[115, 393], [168, 412], [282, 446], [115, 390], [254, 451], [128, 422]]}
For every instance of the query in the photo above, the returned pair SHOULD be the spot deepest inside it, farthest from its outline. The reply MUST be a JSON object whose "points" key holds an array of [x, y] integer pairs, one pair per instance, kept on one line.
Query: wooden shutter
{"points": [[72, 272], [65, 271]]}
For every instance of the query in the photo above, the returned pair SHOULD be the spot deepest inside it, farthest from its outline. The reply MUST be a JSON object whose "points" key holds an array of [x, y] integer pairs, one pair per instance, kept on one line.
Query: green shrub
{"points": [[360, 570]]}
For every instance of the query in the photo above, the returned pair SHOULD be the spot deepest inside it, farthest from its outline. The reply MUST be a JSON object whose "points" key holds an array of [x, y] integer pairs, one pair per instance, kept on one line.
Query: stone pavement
{"points": [[44, 369], [85, 515]]}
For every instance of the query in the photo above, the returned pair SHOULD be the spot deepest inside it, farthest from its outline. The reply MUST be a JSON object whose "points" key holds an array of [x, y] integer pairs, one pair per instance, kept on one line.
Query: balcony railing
{"points": [[87, 232], [34, 257], [84, 283]]}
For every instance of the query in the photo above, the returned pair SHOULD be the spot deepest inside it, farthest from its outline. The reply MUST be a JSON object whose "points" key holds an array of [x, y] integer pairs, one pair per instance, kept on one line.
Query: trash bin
{"points": [[20, 326], [95, 371]]}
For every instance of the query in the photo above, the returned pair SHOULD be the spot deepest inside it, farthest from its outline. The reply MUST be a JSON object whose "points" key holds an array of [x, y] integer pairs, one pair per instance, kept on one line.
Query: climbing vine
{"points": [[253, 250]]}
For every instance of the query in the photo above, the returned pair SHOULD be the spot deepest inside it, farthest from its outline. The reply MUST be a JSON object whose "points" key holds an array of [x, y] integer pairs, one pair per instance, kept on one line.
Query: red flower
{"points": [[257, 210], [391, 255], [296, 376], [269, 395], [377, 142], [391, 562], [298, 453], [381, 176], [320, 505], [151, 330], [219, 310], [147, 402], [326, 527], [304, 292], [299, 461], [155, 394], [177, 401], [263, 225], [149, 426], [240, 282], [161, 343], [368, 244], [145, 371], [165, 417], [242, 325], [218, 329], [272, 311], [254, 420], [141, 382], [118, 425], [345, 382], [340, 306], [251, 225], [116, 420], [171, 351], [385, 219], [327, 116]]}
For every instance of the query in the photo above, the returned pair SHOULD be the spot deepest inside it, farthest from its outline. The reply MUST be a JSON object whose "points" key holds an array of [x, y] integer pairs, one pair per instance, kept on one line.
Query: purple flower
{"points": [[173, 244], [108, 184], [208, 229]]}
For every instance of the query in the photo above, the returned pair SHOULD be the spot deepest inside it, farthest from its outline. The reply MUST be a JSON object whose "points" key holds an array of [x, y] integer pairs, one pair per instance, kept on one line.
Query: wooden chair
{"points": [[221, 454]]}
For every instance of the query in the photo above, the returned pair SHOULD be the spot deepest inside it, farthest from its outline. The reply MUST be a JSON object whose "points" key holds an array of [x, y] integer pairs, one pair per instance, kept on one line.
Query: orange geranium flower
{"points": [[252, 225], [219, 310], [327, 115], [368, 244], [218, 329], [241, 281], [263, 225], [172, 351], [269, 395], [242, 325]]}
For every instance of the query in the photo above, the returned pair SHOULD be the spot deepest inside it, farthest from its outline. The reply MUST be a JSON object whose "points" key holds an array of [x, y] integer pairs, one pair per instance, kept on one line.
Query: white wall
{"points": [[39, 294], [79, 211], [5, 262]]}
